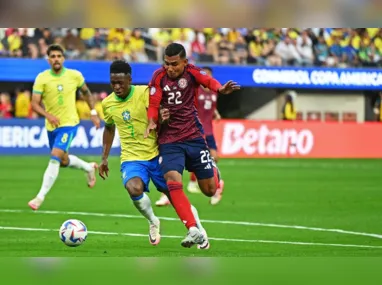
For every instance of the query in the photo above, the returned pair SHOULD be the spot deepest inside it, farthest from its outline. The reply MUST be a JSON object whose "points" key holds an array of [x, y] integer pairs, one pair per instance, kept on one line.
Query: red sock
{"points": [[216, 178], [193, 177], [181, 203]]}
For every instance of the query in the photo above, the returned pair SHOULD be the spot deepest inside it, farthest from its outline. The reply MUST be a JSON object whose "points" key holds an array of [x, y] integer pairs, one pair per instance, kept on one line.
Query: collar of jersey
{"points": [[128, 96], [58, 75]]}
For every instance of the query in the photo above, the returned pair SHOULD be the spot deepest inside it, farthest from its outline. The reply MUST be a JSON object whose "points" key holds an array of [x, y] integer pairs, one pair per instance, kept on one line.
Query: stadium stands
{"points": [[335, 47]]}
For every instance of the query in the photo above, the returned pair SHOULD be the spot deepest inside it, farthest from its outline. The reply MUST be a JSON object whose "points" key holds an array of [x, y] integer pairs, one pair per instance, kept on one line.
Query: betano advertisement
{"points": [[235, 139]]}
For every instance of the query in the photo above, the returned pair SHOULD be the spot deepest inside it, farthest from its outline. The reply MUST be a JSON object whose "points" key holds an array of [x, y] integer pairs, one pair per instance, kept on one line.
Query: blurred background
{"points": [[233, 53]]}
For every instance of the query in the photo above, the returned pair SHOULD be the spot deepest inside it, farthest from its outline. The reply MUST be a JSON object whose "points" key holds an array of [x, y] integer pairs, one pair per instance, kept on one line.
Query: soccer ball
{"points": [[73, 232]]}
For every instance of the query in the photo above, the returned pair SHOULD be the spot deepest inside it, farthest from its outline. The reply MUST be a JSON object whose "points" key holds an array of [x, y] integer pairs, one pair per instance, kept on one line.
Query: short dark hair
{"points": [[55, 47], [175, 49], [120, 66], [207, 68]]}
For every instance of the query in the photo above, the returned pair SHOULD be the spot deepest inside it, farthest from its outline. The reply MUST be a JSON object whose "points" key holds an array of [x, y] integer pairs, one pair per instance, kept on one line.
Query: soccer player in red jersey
{"points": [[181, 138], [207, 111]]}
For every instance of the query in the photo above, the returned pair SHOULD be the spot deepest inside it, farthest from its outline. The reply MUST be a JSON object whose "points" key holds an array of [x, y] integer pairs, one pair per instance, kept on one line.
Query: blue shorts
{"points": [[192, 155], [62, 137], [211, 142], [146, 170]]}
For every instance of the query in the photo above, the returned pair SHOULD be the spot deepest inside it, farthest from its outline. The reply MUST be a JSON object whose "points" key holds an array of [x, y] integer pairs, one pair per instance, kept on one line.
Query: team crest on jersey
{"points": [[60, 88], [126, 116], [152, 91], [182, 83]]}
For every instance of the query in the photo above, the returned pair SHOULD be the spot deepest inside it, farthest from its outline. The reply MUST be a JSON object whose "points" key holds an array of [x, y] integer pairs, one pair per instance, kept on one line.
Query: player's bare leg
{"points": [[193, 186], [142, 202], [219, 191], [90, 168], [183, 208]]}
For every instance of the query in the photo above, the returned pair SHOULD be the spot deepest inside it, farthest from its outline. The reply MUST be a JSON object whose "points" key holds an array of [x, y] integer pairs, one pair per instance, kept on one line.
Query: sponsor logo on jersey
{"points": [[152, 91]]}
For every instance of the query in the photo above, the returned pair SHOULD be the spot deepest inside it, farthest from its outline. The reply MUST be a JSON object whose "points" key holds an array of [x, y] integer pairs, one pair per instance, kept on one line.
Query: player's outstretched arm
{"points": [[91, 102], [36, 106], [229, 87], [107, 142]]}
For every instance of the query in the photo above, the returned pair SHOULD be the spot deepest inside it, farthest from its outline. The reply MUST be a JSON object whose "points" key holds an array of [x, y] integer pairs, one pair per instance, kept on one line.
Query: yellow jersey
{"points": [[59, 95], [130, 118]]}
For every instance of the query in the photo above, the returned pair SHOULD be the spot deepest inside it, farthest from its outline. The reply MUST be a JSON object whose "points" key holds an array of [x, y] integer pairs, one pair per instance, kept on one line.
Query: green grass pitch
{"points": [[271, 207]]}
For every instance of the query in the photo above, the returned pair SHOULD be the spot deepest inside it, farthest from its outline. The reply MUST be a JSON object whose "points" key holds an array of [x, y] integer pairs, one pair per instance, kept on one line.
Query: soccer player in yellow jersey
{"points": [[57, 87], [126, 110]]}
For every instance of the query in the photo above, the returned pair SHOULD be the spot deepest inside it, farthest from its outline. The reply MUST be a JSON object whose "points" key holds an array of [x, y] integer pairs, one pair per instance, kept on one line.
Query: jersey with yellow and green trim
{"points": [[129, 115], [59, 95]]}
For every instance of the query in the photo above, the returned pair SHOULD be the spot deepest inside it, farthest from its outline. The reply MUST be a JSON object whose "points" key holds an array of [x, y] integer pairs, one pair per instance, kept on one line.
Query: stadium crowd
{"points": [[340, 47]]}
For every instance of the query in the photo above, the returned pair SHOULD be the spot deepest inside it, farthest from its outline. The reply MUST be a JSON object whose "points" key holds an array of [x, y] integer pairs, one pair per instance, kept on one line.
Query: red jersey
{"points": [[207, 101], [179, 96]]}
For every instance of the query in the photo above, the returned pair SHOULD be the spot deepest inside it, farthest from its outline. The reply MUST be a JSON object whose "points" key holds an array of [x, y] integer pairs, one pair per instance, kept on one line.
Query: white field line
{"points": [[210, 238], [253, 224]]}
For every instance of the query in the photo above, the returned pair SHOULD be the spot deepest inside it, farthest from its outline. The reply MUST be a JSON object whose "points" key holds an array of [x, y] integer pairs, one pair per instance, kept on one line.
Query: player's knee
{"points": [[209, 189], [134, 187], [64, 161]]}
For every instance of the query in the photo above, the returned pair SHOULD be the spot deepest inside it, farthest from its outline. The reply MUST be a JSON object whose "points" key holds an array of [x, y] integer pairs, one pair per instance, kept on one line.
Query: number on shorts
{"points": [[64, 138], [60, 100], [131, 128], [207, 105], [205, 156], [174, 98]]}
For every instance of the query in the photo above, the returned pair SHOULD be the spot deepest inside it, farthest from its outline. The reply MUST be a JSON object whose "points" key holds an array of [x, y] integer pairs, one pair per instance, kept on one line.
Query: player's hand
{"points": [[164, 115], [96, 121], [229, 87], [217, 117], [53, 120], [152, 126], [103, 169]]}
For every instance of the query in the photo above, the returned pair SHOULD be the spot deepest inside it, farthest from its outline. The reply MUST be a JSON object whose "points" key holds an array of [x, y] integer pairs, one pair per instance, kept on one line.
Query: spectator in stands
{"points": [[336, 51], [289, 112], [118, 48], [322, 52], [268, 53], [225, 50], [74, 46], [23, 108], [305, 49], [240, 51], [28, 47], [5, 106], [96, 45], [365, 54], [197, 47], [255, 54], [161, 39], [287, 50], [45, 41], [14, 44], [137, 46], [184, 40]]}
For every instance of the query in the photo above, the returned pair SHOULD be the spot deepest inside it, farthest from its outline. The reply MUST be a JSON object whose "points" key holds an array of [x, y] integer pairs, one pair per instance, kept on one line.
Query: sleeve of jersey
{"points": [[204, 79], [155, 96], [80, 80], [107, 116], [38, 86]]}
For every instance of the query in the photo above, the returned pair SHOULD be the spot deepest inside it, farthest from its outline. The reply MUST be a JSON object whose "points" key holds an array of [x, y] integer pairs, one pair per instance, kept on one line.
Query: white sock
{"points": [[144, 207], [77, 162], [50, 176], [196, 216]]}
